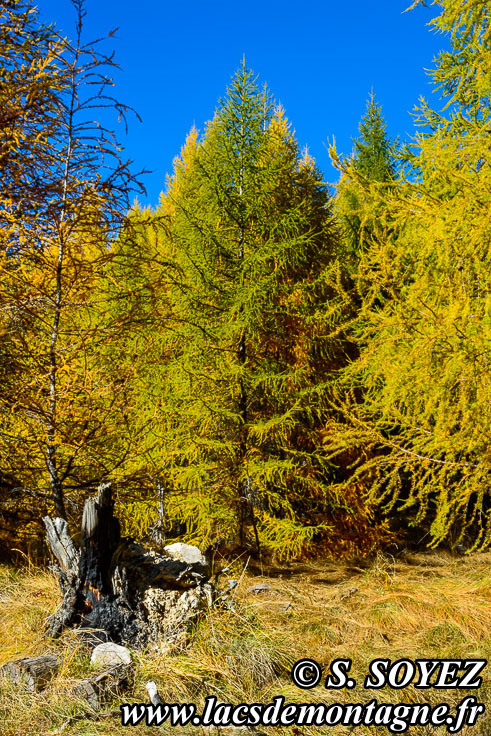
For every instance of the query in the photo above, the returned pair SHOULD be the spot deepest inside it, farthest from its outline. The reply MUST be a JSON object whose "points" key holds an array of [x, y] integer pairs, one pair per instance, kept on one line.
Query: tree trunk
{"points": [[126, 592], [61, 543]]}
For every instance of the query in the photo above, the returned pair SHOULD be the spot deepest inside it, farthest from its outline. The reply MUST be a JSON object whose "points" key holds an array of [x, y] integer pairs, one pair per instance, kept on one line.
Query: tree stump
{"points": [[63, 548], [131, 594], [33, 672]]}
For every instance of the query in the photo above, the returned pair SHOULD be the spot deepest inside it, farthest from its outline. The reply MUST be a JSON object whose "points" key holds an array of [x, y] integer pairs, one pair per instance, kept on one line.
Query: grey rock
{"points": [[259, 588], [109, 654], [190, 555]]}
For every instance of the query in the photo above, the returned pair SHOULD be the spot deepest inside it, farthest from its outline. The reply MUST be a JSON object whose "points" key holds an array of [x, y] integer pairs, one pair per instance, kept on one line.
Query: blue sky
{"points": [[319, 58]]}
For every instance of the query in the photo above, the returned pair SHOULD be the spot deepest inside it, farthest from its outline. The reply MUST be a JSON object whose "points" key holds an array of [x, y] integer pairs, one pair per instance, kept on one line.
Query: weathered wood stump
{"points": [[128, 593], [33, 672], [104, 686]]}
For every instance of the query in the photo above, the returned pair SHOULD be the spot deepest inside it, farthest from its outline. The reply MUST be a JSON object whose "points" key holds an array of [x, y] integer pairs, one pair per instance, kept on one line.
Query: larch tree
{"points": [[418, 398], [248, 351], [134, 294], [66, 195]]}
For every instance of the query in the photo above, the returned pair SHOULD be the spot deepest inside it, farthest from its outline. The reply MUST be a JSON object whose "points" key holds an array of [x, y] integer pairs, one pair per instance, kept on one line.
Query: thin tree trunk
{"points": [[243, 496], [161, 527], [51, 445], [246, 508], [241, 357]]}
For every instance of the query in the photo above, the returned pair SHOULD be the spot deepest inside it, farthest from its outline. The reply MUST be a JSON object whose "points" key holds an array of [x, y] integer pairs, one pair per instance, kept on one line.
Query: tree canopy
{"points": [[259, 363]]}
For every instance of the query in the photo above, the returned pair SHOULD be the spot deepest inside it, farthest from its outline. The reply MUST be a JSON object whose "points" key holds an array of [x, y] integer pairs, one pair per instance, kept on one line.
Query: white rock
{"points": [[153, 693], [110, 655], [187, 553]]}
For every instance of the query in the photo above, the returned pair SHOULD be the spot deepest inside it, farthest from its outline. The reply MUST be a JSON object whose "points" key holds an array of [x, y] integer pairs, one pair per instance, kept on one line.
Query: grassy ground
{"points": [[429, 606]]}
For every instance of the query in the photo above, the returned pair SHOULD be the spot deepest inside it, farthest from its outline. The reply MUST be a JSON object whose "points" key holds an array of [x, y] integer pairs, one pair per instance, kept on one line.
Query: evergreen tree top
{"points": [[246, 110], [374, 150]]}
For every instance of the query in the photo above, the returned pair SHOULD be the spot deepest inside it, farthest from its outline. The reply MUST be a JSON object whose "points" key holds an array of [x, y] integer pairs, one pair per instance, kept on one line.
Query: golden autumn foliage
{"points": [[418, 398], [253, 363], [59, 410]]}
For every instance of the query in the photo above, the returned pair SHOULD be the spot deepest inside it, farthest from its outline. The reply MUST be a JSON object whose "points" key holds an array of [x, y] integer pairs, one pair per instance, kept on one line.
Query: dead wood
{"points": [[33, 672], [104, 686], [129, 593]]}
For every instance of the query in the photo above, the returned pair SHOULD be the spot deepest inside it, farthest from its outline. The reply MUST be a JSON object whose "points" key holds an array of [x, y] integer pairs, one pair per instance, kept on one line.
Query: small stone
{"points": [[189, 554], [260, 588], [348, 593], [153, 693], [109, 654]]}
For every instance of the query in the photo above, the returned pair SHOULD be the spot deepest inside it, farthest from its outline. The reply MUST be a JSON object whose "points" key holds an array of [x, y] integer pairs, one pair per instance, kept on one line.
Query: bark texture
{"points": [[34, 672], [105, 686], [129, 594]]}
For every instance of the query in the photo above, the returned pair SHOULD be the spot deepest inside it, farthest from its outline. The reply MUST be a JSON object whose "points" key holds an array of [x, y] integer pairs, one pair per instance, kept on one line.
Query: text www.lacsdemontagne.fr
{"points": [[397, 718]]}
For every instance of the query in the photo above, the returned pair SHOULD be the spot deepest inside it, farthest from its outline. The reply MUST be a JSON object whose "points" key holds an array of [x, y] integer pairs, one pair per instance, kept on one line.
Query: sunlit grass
{"points": [[245, 654]]}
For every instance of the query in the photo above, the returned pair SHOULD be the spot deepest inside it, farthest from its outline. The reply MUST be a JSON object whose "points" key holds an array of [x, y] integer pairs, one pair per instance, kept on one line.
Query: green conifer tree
{"points": [[248, 351], [374, 150], [373, 160]]}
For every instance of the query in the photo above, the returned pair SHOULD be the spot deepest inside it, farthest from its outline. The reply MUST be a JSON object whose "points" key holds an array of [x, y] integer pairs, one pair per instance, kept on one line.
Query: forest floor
{"points": [[429, 605]]}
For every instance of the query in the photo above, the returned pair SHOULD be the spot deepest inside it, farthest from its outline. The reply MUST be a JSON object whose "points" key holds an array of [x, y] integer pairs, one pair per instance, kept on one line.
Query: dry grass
{"points": [[435, 607]]}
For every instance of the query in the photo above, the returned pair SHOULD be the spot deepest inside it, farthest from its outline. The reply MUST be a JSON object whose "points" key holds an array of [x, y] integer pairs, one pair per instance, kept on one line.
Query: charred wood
{"points": [[129, 593]]}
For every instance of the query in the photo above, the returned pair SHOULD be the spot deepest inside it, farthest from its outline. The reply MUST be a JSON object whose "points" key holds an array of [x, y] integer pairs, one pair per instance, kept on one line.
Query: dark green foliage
{"points": [[374, 151], [373, 161]]}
